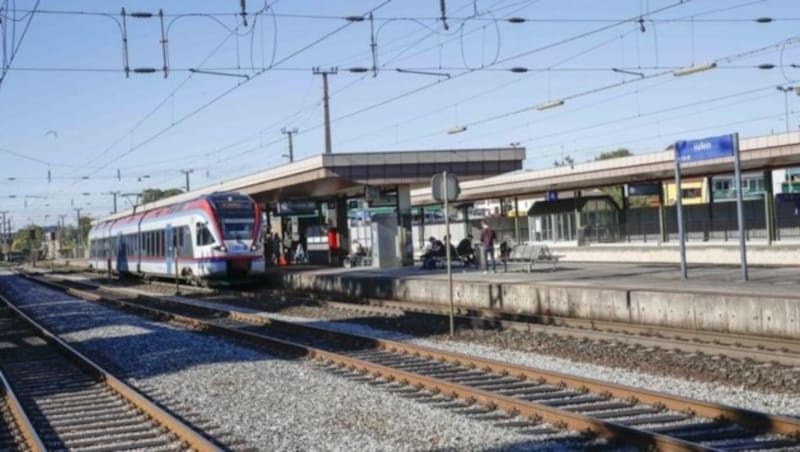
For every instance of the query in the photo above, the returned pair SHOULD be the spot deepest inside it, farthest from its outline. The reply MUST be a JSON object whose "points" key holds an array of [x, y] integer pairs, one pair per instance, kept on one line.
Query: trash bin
{"points": [[581, 235], [480, 258]]}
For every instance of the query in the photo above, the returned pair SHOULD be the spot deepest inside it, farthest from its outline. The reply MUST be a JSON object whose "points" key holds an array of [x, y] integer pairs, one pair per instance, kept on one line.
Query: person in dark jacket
{"points": [[465, 251], [487, 247], [436, 249]]}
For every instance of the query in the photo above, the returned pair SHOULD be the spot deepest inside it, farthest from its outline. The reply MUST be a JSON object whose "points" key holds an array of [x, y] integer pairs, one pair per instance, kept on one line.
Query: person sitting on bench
{"points": [[465, 251], [436, 249]]}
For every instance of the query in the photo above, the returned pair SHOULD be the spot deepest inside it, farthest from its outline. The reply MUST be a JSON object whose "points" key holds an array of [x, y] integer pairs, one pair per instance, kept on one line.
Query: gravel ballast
{"points": [[775, 403], [757, 386], [274, 403], [738, 373]]}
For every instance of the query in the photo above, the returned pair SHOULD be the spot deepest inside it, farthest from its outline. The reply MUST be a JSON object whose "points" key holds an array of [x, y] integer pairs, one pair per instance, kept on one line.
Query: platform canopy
{"points": [[330, 175], [757, 153]]}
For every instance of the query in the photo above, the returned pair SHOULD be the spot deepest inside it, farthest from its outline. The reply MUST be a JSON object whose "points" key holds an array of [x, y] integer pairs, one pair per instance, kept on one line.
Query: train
{"points": [[216, 236]]}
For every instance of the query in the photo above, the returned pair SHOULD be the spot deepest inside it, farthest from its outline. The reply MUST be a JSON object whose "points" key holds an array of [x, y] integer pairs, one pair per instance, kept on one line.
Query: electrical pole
{"points": [[289, 132], [325, 103], [187, 172], [4, 233], [61, 225], [78, 228], [786, 90], [114, 194]]}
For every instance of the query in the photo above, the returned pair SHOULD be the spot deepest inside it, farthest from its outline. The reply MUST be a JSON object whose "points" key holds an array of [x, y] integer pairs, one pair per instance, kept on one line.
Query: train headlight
{"points": [[255, 247], [222, 248]]}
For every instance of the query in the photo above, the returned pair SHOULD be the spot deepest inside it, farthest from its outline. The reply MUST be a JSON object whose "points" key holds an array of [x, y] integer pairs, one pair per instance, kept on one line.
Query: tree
{"points": [[154, 194], [84, 224], [27, 239], [565, 161], [616, 192], [621, 152]]}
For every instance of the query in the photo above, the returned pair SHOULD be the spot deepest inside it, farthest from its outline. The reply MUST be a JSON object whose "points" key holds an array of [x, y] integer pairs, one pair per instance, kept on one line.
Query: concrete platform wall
{"points": [[729, 313], [723, 254]]}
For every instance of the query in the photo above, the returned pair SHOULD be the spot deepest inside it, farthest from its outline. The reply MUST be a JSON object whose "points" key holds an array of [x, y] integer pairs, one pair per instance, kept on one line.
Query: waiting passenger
{"points": [[436, 249], [465, 251], [299, 254]]}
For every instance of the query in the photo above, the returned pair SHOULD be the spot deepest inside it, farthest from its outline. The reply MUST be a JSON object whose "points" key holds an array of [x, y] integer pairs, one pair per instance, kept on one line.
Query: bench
{"points": [[531, 254]]}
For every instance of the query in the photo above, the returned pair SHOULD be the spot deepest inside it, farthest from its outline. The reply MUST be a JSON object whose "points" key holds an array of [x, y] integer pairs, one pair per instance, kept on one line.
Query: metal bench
{"points": [[531, 254]]}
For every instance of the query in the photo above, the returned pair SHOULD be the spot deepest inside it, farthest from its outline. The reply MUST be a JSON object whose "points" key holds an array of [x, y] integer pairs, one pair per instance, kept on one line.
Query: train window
{"points": [[203, 235]]}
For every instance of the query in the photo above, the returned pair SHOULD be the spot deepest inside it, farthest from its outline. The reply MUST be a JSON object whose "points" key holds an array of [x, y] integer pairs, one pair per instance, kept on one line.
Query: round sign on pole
{"points": [[438, 189]]}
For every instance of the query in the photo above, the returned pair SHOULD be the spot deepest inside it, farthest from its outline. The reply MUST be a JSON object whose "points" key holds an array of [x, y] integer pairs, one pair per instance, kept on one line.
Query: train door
{"points": [[168, 248]]}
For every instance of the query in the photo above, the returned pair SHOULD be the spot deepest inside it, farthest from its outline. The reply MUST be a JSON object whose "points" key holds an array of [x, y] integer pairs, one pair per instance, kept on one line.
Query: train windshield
{"points": [[237, 229]]}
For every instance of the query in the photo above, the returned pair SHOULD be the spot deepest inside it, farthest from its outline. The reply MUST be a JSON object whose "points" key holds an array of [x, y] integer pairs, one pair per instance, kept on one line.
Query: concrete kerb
{"points": [[709, 311]]}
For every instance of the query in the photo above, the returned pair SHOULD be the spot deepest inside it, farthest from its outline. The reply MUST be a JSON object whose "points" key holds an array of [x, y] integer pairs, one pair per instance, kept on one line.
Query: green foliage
{"points": [[84, 225], [566, 161], [154, 194], [621, 152], [27, 239], [614, 192]]}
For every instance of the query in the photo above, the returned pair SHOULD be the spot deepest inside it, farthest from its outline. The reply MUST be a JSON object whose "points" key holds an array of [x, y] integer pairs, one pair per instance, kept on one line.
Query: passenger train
{"points": [[214, 236]]}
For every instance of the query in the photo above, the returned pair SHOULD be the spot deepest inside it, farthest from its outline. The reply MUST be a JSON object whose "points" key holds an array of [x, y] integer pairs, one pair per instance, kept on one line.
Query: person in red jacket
{"points": [[487, 247]]}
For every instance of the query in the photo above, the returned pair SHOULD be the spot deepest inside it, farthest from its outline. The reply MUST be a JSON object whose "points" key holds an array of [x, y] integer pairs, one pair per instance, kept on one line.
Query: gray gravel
{"points": [[776, 403], [276, 404], [506, 347]]}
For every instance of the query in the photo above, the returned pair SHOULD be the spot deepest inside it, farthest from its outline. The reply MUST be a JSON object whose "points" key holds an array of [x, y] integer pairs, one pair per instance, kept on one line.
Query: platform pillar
{"points": [[340, 221], [465, 216], [421, 225], [769, 208], [516, 220], [404, 242], [662, 217]]}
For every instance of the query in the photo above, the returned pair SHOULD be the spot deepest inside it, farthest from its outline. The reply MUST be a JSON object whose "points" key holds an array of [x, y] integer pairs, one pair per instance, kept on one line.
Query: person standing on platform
{"points": [[487, 247]]}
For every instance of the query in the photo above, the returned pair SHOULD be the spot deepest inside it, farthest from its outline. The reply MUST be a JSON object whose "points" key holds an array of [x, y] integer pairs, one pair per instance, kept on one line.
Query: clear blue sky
{"points": [[87, 123]]}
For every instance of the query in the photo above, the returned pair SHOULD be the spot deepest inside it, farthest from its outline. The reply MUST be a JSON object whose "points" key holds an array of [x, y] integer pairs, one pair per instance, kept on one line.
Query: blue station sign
{"points": [[704, 149]]}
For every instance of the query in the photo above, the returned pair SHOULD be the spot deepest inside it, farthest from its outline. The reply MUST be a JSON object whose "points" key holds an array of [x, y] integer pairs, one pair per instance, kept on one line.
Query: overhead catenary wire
{"points": [[501, 69], [676, 133], [238, 85], [646, 16], [440, 81], [232, 89], [354, 83], [223, 94], [513, 20]]}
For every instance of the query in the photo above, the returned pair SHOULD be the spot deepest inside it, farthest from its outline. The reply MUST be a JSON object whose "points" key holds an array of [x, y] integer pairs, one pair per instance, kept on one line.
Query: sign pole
{"points": [[679, 206], [739, 205], [447, 251]]}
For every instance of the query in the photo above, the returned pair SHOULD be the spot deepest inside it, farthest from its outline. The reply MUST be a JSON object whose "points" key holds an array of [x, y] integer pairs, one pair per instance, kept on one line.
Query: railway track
{"points": [[755, 348], [617, 413], [73, 404], [16, 431], [760, 349]]}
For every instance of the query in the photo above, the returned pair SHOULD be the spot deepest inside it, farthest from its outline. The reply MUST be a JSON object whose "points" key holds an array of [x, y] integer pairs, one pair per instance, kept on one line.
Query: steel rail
{"points": [[693, 342], [754, 421], [23, 423], [187, 434], [755, 348], [555, 416]]}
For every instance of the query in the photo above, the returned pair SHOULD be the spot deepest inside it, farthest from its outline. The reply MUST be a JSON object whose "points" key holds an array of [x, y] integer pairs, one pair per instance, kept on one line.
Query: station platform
{"points": [[713, 299]]}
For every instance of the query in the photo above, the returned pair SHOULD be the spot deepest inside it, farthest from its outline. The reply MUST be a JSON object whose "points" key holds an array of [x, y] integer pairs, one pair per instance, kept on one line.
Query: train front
{"points": [[240, 222]]}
